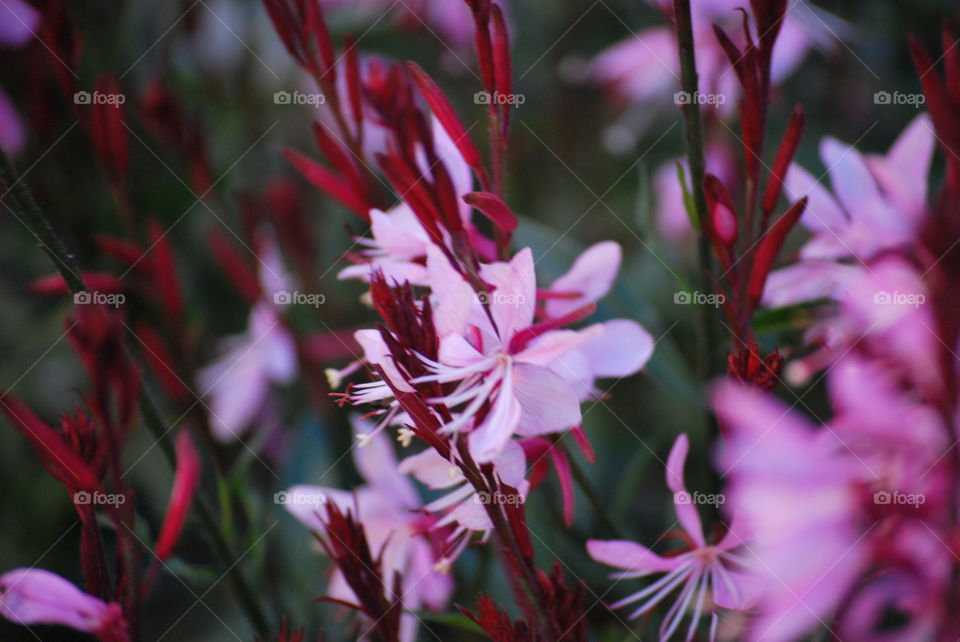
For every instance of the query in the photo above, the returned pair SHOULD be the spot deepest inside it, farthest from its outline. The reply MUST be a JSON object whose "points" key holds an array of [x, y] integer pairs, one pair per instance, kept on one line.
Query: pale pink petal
{"points": [[687, 513], [458, 352], [429, 468], [375, 351], [398, 232], [822, 211], [630, 556], [510, 464], [904, 172], [745, 591], [512, 298], [236, 386], [591, 276], [273, 344], [377, 463], [675, 463], [850, 178], [622, 349], [546, 349], [453, 298], [548, 402], [808, 281], [472, 514], [35, 596], [488, 440]]}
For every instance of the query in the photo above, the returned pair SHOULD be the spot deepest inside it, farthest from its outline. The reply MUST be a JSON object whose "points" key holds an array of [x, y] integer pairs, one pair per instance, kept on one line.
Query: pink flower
{"points": [[645, 69], [18, 24], [462, 507], [389, 507], [818, 499], [35, 596], [703, 570], [237, 383], [880, 201]]}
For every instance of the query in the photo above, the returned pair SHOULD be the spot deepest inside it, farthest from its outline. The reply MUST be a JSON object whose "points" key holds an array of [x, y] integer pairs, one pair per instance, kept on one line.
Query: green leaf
{"points": [[688, 203], [455, 620]]}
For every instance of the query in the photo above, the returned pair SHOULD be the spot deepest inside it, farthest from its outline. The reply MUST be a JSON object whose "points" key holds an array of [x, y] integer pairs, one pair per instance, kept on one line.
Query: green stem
{"points": [[38, 224], [693, 131], [591, 493]]}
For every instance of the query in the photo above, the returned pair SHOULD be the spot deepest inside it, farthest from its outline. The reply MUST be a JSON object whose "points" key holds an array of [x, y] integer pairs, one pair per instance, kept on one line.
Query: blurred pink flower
{"points": [[18, 24], [390, 509], [703, 570], [802, 500], [879, 206], [35, 596], [238, 382], [644, 69], [826, 505]]}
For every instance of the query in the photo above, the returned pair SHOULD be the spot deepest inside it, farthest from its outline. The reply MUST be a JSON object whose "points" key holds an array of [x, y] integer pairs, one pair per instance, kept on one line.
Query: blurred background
{"points": [[582, 167]]}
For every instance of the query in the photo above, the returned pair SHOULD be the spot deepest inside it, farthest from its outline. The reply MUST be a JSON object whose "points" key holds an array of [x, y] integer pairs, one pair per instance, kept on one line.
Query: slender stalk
{"points": [[31, 216], [591, 493], [693, 131]]}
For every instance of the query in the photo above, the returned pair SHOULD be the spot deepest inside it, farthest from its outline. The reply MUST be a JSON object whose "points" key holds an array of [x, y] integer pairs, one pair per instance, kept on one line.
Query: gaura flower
{"points": [[18, 24], [711, 575], [35, 596], [795, 486], [879, 203], [238, 382], [462, 507], [510, 371], [390, 509]]}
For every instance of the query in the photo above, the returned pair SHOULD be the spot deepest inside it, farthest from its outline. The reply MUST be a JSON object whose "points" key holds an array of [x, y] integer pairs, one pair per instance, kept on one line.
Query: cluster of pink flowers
{"points": [[472, 380]]}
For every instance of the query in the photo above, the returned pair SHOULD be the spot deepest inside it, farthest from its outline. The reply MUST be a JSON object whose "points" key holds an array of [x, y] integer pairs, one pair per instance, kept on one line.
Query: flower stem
{"points": [[29, 213], [693, 131]]}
